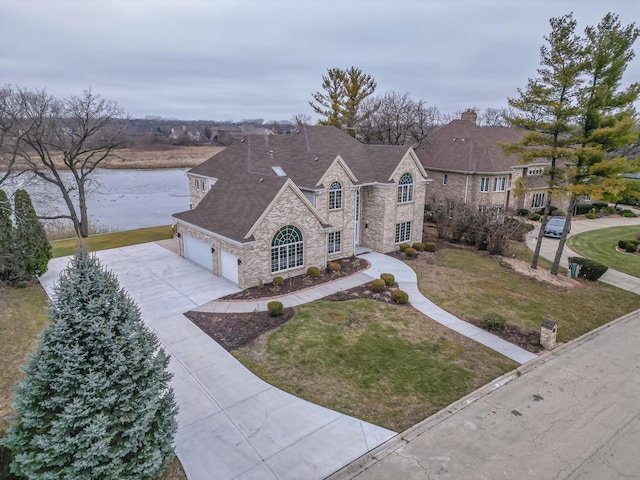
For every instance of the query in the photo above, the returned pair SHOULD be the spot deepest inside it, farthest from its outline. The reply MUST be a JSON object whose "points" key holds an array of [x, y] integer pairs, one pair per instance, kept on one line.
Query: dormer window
{"points": [[405, 188], [335, 196]]}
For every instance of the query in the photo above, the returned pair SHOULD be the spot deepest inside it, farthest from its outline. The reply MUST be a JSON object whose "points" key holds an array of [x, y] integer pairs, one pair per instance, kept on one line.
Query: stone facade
{"points": [[198, 188], [465, 187], [255, 256], [381, 210]]}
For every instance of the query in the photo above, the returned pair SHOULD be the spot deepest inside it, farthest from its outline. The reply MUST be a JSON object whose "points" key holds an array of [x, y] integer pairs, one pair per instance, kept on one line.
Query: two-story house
{"points": [[275, 205]]}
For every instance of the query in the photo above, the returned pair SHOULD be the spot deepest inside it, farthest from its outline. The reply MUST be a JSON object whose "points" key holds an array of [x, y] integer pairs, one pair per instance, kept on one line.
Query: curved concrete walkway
{"points": [[407, 281]]}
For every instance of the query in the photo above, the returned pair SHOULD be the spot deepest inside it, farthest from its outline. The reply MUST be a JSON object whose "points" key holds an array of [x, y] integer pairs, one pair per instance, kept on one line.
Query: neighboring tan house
{"points": [[275, 205], [465, 162]]}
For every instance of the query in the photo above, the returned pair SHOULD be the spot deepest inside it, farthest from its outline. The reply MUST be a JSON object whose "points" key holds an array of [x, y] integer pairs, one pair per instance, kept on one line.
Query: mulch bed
{"points": [[527, 339], [236, 330], [348, 267]]}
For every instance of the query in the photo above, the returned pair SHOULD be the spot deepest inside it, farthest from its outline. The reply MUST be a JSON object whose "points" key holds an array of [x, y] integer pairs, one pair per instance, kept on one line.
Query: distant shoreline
{"points": [[151, 159]]}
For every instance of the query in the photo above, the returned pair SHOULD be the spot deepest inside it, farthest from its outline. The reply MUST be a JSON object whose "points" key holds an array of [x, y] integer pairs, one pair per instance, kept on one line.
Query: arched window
{"points": [[287, 249], [405, 188], [335, 196]]}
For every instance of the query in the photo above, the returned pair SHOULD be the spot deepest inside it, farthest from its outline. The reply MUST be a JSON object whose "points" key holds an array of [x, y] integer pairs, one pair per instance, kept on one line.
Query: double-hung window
{"points": [[499, 184], [537, 200], [484, 184]]}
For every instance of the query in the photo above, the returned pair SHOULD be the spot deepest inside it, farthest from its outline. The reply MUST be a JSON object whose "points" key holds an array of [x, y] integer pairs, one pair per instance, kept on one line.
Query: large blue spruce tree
{"points": [[95, 402]]}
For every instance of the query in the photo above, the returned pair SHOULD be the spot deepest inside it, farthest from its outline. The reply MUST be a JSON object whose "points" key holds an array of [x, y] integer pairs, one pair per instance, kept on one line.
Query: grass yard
{"points": [[600, 245], [469, 284], [22, 318], [386, 364], [104, 241]]}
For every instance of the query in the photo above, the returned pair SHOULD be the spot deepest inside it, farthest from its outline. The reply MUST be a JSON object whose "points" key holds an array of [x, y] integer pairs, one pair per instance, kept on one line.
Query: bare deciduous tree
{"points": [[398, 119], [75, 134]]}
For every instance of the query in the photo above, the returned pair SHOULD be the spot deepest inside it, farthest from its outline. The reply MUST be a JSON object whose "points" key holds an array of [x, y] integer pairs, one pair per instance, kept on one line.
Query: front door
{"points": [[356, 233]]}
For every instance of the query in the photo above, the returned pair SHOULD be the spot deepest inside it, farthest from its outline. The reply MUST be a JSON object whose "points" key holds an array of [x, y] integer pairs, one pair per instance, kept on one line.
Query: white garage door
{"points": [[229, 266], [198, 252]]}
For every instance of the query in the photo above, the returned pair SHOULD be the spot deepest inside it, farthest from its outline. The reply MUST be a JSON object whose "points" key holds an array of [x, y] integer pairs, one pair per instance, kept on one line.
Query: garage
{"points": [[198, 252], [229, 266]]}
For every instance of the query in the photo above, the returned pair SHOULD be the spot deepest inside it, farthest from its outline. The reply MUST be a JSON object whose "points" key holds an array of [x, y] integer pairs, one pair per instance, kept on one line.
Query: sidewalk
{"points": [[407, 281]]}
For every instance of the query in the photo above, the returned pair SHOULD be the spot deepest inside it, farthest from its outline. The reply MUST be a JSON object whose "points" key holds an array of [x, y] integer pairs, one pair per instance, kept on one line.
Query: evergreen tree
{"points": [[8, 262], [607, 119], [548, 109], [95, 402], [345, 92], [31, 240]]}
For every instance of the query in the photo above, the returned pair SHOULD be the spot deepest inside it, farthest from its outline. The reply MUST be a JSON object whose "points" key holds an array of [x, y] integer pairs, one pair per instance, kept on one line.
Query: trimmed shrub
{"points": [[590, 215], [335, 267], [535, 217], [400, 296], [630, 247], [378, 285], [275, 308], [313, 272], [430, 247], [388, 278], [493, 321], [589, 269], [410, 252], [522, 212], [583, 208], [622, 244], [403, 246], [599, 205], [528, 227], [418, 246], [627, 213], [278, 281]]}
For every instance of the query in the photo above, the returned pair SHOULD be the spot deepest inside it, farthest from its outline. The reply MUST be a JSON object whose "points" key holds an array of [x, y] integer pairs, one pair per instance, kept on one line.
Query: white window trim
{"points": [[337, 242], [484, 184], [403, 232], [405, 190], [499, 184], [335, 196], [292, 250]]}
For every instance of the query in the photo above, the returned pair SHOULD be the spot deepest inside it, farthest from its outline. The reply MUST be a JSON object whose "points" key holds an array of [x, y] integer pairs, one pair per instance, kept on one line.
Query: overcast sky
{"points": [[241, 59]]}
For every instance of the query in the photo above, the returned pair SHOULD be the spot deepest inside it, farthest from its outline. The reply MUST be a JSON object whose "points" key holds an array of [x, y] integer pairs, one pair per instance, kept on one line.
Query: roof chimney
{"points": [[470, 115]]}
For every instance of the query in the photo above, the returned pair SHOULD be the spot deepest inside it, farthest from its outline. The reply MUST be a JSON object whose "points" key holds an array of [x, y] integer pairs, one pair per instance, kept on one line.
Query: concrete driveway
{"points": [[232, 425]]}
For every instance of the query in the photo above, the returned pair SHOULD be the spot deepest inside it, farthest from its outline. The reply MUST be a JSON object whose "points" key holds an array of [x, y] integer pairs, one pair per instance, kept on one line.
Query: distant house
{"points": [[467, 163], [275, 205]]}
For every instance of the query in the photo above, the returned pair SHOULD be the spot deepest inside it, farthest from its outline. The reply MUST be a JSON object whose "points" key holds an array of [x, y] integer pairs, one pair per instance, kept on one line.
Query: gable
{"points": [[409, 161], [285, 210]]}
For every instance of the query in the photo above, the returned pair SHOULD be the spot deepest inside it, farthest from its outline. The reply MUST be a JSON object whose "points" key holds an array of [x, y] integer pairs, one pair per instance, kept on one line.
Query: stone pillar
{"points": [[548, 334]]}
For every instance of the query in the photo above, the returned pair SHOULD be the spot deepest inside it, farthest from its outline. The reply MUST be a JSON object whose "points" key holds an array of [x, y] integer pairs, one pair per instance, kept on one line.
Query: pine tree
{"points": [[95, 402], [345, 92], [548, 109], [8, 262], [607, 120], [31, 239]]}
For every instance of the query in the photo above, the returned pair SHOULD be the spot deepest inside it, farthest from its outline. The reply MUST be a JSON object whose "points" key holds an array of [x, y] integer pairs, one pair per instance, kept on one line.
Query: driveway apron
{"points": [[231, 424]]}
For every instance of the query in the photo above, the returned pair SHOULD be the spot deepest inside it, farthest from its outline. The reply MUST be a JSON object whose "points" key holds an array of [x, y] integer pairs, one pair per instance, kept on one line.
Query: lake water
{"points": [[119, 199]]}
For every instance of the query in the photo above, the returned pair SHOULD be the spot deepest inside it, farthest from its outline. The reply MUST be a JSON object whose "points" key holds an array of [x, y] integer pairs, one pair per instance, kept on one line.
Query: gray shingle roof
{"points": [[239, 197], [462, 146]]}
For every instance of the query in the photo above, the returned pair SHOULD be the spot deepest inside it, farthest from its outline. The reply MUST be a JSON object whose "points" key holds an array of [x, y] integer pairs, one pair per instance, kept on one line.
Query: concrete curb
{"points": [[370, 458]]}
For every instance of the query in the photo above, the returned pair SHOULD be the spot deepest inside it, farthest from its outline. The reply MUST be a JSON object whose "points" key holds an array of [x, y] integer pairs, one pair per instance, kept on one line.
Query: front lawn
{"points": [[469, 284], [104, 241], [386, 364], [600, 245]]}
